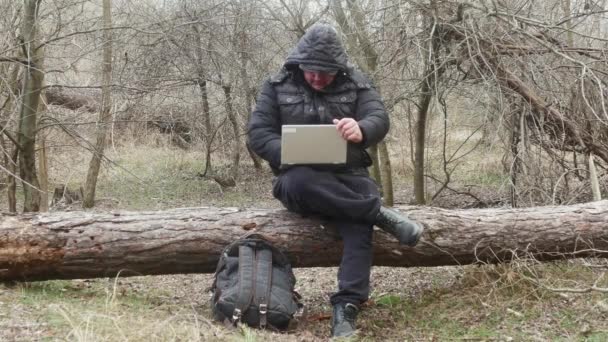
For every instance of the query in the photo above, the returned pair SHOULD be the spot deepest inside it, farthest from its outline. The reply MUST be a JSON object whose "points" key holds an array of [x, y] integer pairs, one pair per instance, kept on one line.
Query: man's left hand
{"points": [[349, 129]]}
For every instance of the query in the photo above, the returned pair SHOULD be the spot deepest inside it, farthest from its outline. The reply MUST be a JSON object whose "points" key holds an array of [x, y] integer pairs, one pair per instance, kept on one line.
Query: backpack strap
{"points": [[263, 283], [246, 281], [220, 265]]}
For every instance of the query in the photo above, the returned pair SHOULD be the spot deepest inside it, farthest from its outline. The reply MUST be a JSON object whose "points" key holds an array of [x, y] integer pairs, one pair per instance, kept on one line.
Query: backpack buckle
{"points": [[236, 316], [263, 309]]}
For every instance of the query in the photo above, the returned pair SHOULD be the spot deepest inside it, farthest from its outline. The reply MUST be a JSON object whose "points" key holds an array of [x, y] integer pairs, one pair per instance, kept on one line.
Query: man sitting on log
{"points": [[318, 86]]}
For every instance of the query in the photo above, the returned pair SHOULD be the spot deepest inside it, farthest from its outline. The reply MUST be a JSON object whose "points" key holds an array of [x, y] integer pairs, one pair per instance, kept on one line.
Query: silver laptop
{"points": [[312, 144]]}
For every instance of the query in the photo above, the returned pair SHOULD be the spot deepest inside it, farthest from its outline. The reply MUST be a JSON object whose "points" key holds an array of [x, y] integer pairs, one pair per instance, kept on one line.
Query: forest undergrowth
{"points": [[520, 301]]}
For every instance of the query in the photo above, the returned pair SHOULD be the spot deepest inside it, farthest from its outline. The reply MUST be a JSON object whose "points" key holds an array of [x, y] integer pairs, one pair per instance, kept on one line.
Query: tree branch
{"points": [[15, 60]]}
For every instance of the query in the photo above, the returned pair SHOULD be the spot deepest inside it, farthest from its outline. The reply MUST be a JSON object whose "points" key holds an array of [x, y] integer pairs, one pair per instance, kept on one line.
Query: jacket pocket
{"points": [[342, 105], [289, 99], [291, 107]]}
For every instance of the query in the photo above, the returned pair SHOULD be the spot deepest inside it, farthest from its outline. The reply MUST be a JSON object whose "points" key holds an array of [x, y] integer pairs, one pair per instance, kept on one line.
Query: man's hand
{"points": [[349, 129]]}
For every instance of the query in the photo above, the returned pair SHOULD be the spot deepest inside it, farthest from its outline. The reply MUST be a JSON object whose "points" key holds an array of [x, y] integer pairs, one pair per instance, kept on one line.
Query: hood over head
{"points": [[320, 48]]}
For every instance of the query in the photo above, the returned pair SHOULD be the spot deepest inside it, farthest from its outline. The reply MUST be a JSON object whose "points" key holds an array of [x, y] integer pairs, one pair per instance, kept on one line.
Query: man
{"points": [[317, 86]]}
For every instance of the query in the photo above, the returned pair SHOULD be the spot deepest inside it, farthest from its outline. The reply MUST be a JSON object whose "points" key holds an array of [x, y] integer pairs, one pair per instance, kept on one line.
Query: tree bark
{"points": [[11, 157], [358, 39], [594, 180], [567, 8], [236, 144], [43, 165], [517, 162], [67, 245], [374, 170], [201, 81], [104, 114], [249, 93], [11, 180], [9, 170], [34, 76], [427, 91], [387, 174]]}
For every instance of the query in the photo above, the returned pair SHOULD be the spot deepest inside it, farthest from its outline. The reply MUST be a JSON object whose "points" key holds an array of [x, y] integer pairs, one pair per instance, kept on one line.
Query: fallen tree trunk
{"points": [[67, 245], [57, 96]]}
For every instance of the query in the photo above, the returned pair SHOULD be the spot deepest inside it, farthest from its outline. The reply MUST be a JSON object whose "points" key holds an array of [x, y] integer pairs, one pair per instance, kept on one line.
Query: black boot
{"points": [[405, 230], [343, 320]]}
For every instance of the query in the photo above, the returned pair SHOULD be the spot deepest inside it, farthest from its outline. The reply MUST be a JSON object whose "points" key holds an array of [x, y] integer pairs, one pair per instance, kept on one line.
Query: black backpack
{"points": [[254, 284]]}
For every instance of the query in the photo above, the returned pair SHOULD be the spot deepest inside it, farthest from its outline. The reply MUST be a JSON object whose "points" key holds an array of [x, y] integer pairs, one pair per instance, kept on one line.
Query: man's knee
{"points": [[297, 179]]}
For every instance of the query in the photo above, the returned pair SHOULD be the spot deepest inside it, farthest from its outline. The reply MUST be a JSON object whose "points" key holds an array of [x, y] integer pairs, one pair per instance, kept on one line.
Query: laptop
{"points": [[312, 144]]}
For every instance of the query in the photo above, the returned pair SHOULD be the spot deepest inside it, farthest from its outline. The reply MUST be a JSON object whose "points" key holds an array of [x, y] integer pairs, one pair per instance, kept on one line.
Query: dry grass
{"points": [[493, 302], [503, 302]]}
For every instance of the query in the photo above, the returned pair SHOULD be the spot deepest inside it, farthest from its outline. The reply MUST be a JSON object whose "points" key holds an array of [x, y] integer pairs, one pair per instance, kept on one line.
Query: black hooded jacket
{"points": [[286, 98]]}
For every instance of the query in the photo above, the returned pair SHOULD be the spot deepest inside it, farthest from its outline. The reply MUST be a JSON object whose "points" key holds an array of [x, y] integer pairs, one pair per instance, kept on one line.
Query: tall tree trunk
{"points": [[375, 168], [11, 181], [358, 39], [203, 86], [65, 245], [386, 171], [427, 91], [514, 169], [567, 8], [34, 77], [5, 157], [105, 113], [43, 159], [594, 180], [257, 163], [44, 173], [423, 108], [236, 143], [11, 156], [8, 163]]}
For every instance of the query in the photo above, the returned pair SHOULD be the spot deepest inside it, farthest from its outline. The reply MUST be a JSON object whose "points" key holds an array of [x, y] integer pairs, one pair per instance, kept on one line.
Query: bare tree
{"points": [[530, 75], [34, 77], [105, 112], [359, 42], [10, 155], [467, 49], [43, 165]]}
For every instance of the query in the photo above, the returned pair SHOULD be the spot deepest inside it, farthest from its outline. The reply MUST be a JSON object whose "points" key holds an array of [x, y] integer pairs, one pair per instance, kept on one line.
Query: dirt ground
{"points": [[414, 304]]}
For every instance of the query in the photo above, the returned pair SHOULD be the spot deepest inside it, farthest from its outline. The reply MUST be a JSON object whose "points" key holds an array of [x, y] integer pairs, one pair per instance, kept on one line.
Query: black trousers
{"points": [[351, 203]]}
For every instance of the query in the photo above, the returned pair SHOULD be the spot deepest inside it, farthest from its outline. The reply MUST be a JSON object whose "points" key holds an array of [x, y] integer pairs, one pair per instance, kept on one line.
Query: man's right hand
{"points": [[349, 129]]}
